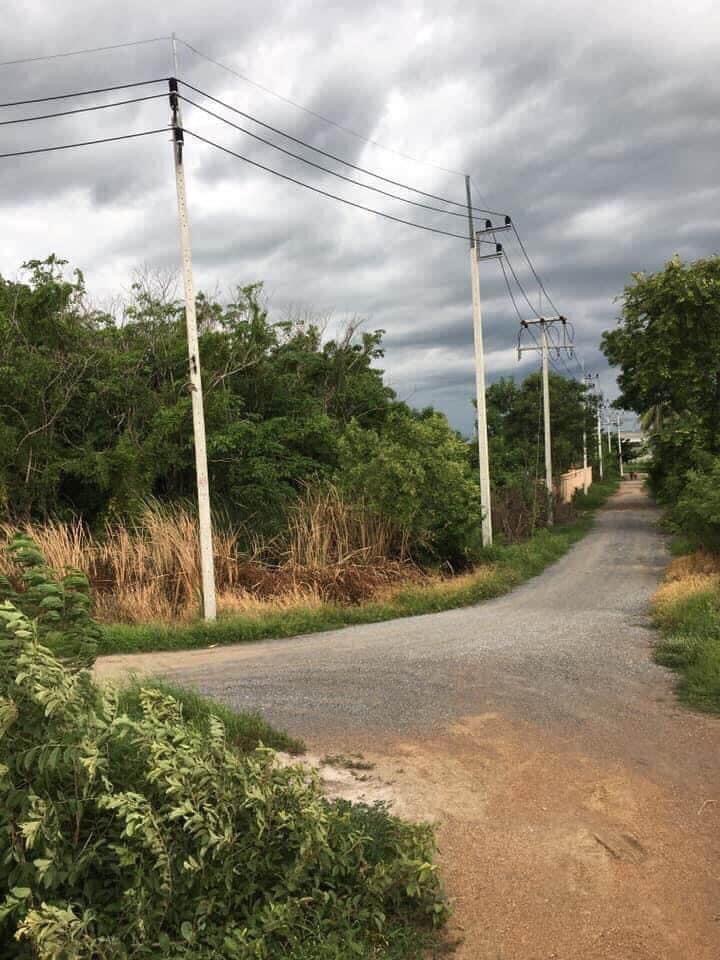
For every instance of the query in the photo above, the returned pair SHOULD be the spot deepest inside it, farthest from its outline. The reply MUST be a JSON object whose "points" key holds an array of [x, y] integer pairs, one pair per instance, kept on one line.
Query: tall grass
{"points": [[686, 608], [148, 570]]}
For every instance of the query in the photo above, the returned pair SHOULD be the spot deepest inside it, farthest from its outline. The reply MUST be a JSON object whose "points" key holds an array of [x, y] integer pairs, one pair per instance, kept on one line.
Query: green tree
{"points": [[667, 345]]}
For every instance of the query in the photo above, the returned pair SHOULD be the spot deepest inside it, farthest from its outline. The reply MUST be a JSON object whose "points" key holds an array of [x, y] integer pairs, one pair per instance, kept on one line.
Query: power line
{"points": [[84, 143], [532, 267], [313, 113], [77, 53], [318, 166], [520, 286], [67, 113], [324, 193], [509, 290], [332, 156], [83, 93]]}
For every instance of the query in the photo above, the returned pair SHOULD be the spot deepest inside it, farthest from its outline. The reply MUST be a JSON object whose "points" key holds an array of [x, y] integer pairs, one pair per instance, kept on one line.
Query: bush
{"points": [[418, 473], [125, 838], [60, 608], [697, 511]]}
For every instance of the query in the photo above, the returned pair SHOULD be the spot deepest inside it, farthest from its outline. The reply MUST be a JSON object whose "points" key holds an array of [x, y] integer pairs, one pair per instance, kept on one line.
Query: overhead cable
{"points": [[534, 271], [67, 113], [319, 166], [77, 53], [84, 143], [332, 156], [313, 113], [83, 93], [324, 193]]}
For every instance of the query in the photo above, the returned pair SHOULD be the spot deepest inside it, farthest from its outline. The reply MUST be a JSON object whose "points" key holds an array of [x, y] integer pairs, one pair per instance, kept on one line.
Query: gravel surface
{"points": [[577, 803], [566, 646]]}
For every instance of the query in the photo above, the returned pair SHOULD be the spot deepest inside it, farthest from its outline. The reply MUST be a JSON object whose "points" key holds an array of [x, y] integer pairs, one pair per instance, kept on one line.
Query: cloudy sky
{"points": [[595, 125]]}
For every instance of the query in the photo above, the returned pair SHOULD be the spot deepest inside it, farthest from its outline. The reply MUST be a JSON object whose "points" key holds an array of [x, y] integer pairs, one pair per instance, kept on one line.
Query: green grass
{"points": [[507, 566], [690, 644], [245, 731]]}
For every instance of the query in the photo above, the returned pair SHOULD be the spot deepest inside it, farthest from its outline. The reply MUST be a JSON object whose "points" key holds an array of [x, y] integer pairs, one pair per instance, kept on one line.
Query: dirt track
{"points": [[578, 805]]}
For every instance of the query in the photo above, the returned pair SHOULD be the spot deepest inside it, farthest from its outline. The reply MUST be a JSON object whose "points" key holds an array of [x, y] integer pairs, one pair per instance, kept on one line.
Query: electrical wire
{"points": [[83, 93], [313, 113], [520, 286], [509, 290], [85, 143], [77, 53], [332, 156], [324, 193], [67, 113], [534, 271], [318, 166]]}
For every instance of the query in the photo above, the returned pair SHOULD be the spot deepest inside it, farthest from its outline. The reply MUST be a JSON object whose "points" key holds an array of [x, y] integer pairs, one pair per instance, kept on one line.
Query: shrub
{"points": [[416, 472], [59, 607], [125, 838], [697, 511]]}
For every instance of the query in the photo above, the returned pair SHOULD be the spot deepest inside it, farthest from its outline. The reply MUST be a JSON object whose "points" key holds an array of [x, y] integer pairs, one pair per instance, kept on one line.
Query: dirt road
{"points": [[578, 805]]}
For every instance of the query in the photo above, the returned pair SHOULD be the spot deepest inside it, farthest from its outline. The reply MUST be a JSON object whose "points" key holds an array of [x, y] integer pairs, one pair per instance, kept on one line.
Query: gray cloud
{"points": [[595, 126]]}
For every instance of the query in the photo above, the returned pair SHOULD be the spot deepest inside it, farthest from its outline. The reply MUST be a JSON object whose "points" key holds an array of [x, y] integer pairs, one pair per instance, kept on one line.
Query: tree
{"points": [[667, 342], [667, 345]]}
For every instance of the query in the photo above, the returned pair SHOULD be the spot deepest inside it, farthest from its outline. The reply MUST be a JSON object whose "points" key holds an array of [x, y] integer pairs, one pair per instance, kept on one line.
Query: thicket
{"points": [[142, 833], [95, 422], [667, 345]]}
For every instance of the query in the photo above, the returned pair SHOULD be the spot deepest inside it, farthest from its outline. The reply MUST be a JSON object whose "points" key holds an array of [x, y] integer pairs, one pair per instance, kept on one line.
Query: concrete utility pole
{"points": [[207, 568], [599, 438], [546, 419], [544, 348], [619, 447], [483, 457], [587, 382]]}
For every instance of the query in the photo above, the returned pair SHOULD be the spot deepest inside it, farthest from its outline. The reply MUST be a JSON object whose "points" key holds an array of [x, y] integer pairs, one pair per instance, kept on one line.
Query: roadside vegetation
{"points": [[334, 501], [151, 823], [666, 345], [687, 611]]}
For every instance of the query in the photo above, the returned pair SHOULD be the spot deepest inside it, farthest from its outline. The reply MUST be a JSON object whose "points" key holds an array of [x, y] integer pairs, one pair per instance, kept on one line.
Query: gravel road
{"points": [[568, 646], [578, 805]]}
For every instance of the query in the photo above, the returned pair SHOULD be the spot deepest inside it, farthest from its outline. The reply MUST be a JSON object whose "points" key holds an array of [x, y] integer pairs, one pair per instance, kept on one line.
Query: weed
{"points": [[686, 608]]}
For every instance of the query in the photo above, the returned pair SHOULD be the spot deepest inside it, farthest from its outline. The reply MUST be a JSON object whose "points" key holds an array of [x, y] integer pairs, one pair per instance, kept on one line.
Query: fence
{"points": [[571, 481]]}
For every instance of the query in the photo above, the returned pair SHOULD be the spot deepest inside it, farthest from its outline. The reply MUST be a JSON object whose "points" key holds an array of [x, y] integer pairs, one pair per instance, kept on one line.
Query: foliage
{"points": [[418, 472], [60, 608], [96, 416], [515, 426], [503, 567], [125, 837], [667, 346], [243, 731], [697, 511], [687, 611]]}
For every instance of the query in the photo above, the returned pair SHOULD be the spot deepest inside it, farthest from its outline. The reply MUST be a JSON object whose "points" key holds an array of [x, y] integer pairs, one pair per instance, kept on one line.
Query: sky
{"points": [[595, 126]]}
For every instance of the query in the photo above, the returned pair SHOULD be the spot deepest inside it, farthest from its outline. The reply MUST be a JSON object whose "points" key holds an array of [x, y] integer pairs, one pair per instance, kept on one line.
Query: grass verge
{"points": [[245, 731], [505, 568], [686, 609]]}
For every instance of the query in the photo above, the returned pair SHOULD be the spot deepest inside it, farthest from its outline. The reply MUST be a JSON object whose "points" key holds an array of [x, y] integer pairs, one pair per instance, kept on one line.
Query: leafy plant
{"points": [[124, 838], [59, 607]]}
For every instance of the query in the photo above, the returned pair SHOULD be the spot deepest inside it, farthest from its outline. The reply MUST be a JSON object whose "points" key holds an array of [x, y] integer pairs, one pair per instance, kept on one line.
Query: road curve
{"points": [[568, 646], [578, 805]]}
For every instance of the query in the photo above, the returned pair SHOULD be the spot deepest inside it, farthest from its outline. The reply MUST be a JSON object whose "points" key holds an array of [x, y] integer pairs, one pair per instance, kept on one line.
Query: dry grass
{"points": [[149, 572], [327, 530], [688, 575]]}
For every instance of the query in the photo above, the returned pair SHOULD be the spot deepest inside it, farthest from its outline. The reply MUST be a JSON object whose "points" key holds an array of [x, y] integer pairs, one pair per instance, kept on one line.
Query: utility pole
{"points": [[546, 419], [599, 437], [207, 568], [482, 433], [608, 424], [619, 447], [544, 348], [587, 383]]}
